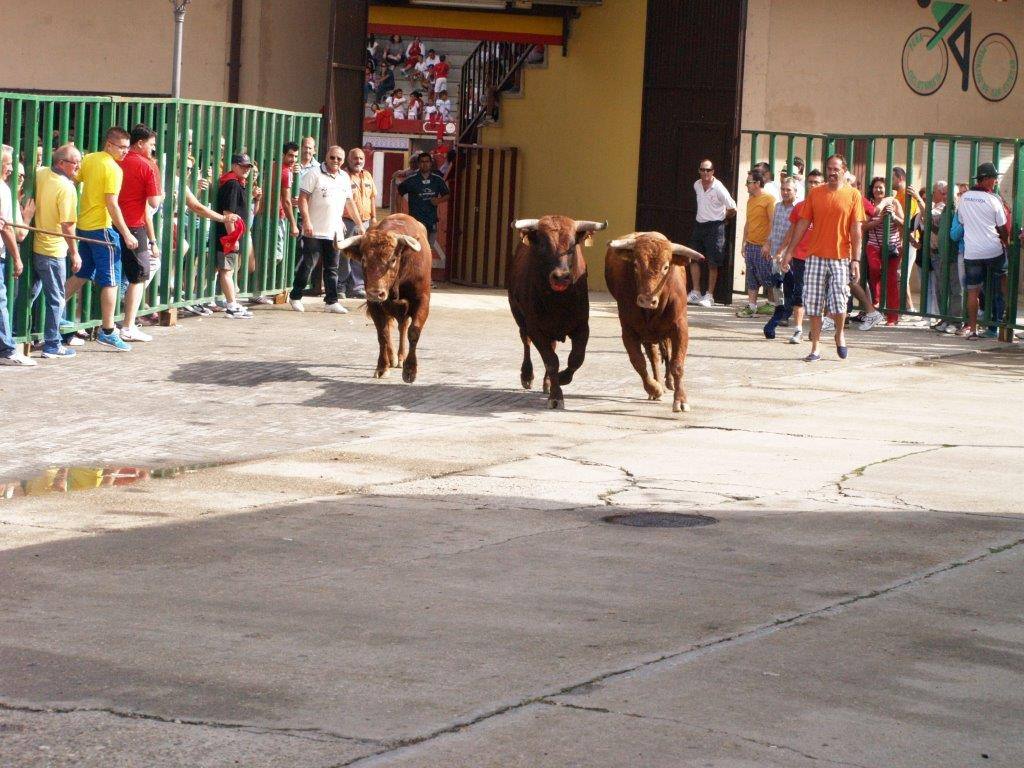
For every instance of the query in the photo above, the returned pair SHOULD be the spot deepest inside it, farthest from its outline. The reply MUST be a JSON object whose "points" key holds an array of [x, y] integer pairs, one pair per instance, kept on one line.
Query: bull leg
{"points": [[654, 355], [666, 355], [576, 354], [403, 342], [631, 341], [551, 385], [526, 371], [418, 312], [679, 343], [386, 351]]}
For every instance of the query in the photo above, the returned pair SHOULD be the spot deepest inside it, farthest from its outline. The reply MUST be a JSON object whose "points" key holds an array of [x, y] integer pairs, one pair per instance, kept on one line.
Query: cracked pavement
{"points": [[365, 573]]}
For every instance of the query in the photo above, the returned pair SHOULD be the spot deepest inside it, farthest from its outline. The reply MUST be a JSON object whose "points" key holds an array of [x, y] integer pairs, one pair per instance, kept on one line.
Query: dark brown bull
{"points": [[645, 273], [396, 263], [547, 291]]}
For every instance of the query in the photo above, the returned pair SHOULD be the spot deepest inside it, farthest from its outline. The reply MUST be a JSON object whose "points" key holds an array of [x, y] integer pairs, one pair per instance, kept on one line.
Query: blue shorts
{"points": [[976, 271], [101, 264]]}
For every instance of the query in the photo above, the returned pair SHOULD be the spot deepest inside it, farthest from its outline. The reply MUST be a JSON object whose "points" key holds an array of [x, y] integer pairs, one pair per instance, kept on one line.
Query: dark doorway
{"points": [[693, 74]]}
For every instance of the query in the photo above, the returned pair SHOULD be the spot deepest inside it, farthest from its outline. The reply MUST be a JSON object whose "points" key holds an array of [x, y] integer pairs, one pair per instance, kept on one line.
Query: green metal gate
{"points": [[927, 158], [195, 141]]}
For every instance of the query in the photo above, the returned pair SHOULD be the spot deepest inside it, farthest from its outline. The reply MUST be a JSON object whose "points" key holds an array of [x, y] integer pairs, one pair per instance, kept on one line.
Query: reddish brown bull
{"points": [[396, 265], [645, 274], [547, 291]]}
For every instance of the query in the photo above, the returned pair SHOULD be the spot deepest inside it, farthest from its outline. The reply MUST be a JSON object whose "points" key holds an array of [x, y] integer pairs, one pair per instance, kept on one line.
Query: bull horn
{"points": [[624, 243], [689, 253], [411, 242], [349, 242], [525, 224], [590, 226]]}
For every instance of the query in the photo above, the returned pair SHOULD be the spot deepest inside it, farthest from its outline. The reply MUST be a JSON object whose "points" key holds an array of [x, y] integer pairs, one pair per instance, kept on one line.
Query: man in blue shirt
{"points": [[425, 191]]}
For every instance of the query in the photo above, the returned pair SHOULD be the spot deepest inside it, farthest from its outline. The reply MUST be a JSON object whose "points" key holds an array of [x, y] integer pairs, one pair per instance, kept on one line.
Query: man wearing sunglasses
{"points": [[714, 206]]}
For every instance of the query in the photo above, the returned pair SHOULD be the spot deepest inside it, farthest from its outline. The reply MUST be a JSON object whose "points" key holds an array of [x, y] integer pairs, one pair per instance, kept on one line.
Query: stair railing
{"points": [[488, 70]]}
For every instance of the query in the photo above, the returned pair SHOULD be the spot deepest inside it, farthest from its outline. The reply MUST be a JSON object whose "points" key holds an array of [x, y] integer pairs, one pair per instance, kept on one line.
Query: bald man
{"points": [[364, 197]]}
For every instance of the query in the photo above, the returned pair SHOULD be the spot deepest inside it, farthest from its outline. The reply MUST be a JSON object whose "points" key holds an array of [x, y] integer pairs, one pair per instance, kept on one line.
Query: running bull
{"points": [[646, 275], [547, 291], [396, 262]]}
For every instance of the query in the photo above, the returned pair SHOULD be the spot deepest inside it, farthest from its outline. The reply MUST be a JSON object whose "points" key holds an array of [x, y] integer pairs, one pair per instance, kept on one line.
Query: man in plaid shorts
{"points": [[758, 259], [836, 210]]}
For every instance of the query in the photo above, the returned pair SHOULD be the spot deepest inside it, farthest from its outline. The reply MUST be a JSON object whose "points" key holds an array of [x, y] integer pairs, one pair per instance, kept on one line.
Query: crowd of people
{"points": [[95, 214], [805, 255], [426, 70]]}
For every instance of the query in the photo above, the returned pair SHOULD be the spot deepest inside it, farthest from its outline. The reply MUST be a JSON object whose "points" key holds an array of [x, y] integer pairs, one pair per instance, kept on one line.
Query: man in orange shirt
{"points": [[837, 213]]}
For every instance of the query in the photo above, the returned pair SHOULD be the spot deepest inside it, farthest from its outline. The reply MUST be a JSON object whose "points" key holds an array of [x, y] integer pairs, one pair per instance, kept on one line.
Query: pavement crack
{"points": [[694, 652], [606, 498], [309, 734], [840, 484], [706, 729]]}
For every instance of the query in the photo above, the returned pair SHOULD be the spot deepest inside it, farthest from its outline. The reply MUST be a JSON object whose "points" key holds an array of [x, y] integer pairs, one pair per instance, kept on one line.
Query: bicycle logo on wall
{"points": [[926, 54]]}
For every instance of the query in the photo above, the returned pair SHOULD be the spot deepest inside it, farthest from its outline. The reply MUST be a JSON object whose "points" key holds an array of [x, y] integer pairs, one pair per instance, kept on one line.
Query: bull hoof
{"points": [[408, 375], [565, 377], [669, 386], [526, 382], [556, 404], [381, 373], [680, 407], [654, 391]]}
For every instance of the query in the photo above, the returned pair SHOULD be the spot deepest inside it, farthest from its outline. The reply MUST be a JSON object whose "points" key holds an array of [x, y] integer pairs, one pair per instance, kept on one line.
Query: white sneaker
{"points": [[17, 358], [707, 300], [76, 341], [336, 309], [828, 325], [797, 337], [296, 304], [870, 320], [693, 297], [135, 334]]}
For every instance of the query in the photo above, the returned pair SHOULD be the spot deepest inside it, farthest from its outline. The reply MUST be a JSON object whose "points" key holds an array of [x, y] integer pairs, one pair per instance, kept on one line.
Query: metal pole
{"points": [[179, 32]]}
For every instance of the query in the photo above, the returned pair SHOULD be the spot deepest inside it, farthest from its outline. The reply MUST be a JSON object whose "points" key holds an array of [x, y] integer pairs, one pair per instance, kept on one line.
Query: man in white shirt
{"points": [[9, 352], [714, 206], [986, 236], [324, 195], [771, 186]]}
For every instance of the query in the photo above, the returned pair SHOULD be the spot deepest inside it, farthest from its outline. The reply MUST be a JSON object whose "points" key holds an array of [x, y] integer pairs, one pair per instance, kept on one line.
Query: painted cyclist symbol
{"points": [[927, 52]]}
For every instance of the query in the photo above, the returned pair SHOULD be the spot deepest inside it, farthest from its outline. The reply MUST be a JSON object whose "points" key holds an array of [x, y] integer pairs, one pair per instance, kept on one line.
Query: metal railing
{"points": [[490, 69], [195, 141], [927, 159]]}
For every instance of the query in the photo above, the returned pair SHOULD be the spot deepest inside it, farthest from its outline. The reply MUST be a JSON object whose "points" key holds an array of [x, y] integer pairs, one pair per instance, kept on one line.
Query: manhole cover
{"points": [[660, 520]]}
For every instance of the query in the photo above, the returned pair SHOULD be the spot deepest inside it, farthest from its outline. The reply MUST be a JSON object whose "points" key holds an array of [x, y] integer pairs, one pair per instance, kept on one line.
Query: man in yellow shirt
{"points": [[758, 258], [101, 177], [56, 211]]}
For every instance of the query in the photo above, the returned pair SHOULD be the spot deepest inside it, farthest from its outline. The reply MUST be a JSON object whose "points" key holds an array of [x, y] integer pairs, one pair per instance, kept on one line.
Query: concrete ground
{"points": [[332, 570]]}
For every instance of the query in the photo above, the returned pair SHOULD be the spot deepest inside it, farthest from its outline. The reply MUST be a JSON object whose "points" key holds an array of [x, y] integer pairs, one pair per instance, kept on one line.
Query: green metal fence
{"points": [[195, 141], [927, 159]]}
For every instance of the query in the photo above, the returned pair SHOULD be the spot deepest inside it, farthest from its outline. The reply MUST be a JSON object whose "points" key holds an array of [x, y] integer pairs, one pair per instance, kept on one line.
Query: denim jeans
{"points": [[7, 345], [354, 282], [313, 250], [50, 275]]}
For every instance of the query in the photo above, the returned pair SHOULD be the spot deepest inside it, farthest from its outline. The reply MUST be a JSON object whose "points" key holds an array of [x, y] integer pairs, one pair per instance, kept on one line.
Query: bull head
{"points": [[553, 241], [380, 253], [653, 257]]}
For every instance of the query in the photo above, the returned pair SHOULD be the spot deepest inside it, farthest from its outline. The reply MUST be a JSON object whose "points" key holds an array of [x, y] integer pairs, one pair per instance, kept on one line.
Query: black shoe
{"points": [[359, 293]]}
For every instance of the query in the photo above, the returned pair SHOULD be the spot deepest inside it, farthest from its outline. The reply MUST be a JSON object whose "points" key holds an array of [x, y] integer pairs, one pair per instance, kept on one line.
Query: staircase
{"points": [[457, 51], [492, 68]]}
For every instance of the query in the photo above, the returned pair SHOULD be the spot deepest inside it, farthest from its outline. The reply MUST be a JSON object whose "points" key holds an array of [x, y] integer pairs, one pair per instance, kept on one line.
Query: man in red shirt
{"points": [[286, 223], [793, 281], [140, 191], [441, 70]]}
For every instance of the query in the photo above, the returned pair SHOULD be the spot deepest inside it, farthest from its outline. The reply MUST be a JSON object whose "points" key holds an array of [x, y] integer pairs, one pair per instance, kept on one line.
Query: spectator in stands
{"points": [[423, 69], [99, 214], [415, 105], [779, 229], [232, 198], [397, 103], [374, 51], [714, 206], [56, 210], [364, 196], [413, 55], [324, 198], [425, 191], [878, 208], [770, 185], [370, 84], [443, 105], [793, 267], [10, 354], [441, 70], [394, 53], [386, 83], [986, 238], [760, 209]]}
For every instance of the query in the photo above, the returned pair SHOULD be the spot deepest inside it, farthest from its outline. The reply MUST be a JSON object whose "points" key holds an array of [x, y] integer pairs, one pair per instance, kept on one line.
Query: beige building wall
{"points": [[578, 126], [127, 49]]}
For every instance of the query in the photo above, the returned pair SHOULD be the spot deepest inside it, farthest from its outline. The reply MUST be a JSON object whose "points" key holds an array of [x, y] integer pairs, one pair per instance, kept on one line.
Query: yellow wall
{"points": [[578, 126], [122, 46]]}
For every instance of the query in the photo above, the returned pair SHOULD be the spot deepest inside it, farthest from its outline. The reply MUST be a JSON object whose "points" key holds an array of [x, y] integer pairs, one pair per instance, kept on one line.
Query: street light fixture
{"points": [[179, 31]]}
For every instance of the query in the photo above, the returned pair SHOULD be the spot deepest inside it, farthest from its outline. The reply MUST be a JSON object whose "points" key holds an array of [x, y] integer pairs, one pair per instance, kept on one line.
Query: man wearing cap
{"points": [[232, 198], [986, 237]]}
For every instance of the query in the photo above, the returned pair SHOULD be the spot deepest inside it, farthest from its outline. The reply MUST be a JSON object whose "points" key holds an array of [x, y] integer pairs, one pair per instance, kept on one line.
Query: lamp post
{"points": [[179, 31]]}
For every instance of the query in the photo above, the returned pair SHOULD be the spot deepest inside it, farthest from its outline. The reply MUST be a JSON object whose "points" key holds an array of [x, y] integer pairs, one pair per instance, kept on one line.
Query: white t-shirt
{"points": [[6, 212], [327, 196], [712, 203], [981, 212], [444, 108], [774, 189]]}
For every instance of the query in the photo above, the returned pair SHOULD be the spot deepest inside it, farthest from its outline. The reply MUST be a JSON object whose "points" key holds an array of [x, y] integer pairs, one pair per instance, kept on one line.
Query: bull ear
{"points": [[350, 246], [411, 243], [682, 255]]}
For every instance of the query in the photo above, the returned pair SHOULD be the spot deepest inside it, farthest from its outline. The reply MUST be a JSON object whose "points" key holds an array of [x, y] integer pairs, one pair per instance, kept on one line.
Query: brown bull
{"points": [[645, 273], [396, 266], [547, 292]]}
